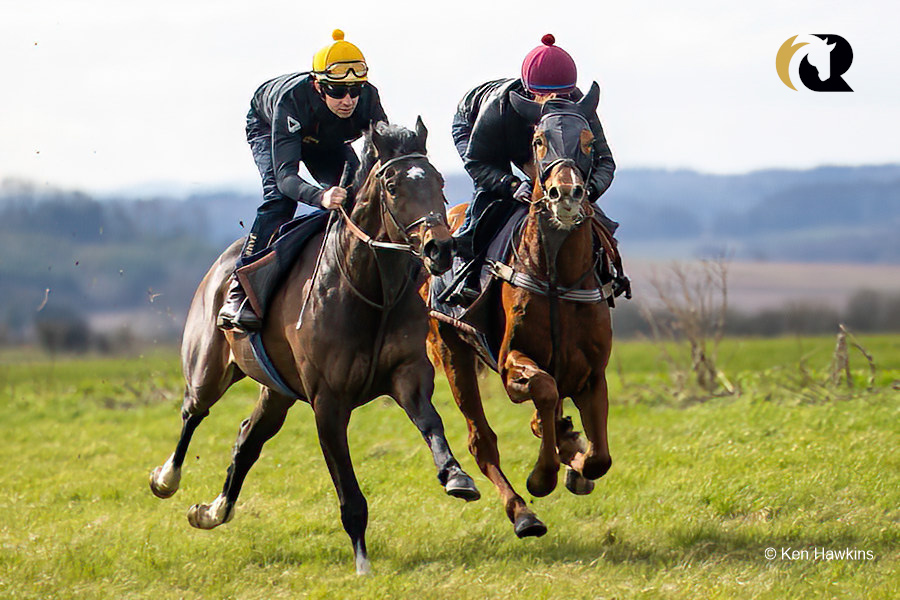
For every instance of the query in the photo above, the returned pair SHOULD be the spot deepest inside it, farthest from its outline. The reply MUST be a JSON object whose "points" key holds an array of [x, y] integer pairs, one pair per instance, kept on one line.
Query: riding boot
{"points": [[465, 235], [236, 312]]}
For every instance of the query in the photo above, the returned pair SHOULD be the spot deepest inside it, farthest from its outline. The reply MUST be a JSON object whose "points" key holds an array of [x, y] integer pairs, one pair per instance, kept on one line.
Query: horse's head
{"points": [[819, 56], [562, 153], [410, 190]]}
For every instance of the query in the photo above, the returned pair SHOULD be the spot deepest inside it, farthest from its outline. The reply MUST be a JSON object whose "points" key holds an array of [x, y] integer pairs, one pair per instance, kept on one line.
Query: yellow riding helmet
{"points": [[340, 62]]}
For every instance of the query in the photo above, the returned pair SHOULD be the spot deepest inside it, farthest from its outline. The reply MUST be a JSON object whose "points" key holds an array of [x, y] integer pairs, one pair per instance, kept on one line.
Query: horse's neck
{"points": [[573, 251]]}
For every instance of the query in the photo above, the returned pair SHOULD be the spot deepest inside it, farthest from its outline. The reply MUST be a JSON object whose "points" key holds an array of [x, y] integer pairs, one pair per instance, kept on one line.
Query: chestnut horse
{"points": [[551, 316], [362, 333]]}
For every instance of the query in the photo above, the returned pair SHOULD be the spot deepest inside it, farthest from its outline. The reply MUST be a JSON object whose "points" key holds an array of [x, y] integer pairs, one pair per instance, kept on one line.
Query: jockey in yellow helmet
{"points": [[310, 118]]}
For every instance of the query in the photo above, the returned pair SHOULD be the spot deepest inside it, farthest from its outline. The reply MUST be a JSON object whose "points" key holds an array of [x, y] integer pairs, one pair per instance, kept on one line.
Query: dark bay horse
{"points": [[362, 333], [551, 317]]}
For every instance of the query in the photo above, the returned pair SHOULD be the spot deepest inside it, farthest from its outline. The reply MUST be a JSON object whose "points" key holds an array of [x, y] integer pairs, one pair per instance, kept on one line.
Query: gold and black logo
{"points": [[817, 61]]}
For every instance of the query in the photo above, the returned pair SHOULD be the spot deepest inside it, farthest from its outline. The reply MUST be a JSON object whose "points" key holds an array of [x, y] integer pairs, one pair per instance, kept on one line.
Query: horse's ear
{"points": [[527, 109], [588, 104], [421, 133], [378, 130]]}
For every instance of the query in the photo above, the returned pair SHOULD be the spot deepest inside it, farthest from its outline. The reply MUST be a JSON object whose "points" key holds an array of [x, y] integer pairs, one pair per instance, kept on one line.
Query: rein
{"points": [[387, 302]]}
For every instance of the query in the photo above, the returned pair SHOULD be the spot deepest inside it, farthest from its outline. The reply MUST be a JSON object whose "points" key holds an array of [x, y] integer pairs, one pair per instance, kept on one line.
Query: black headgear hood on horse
{"points": [[566, 129]]}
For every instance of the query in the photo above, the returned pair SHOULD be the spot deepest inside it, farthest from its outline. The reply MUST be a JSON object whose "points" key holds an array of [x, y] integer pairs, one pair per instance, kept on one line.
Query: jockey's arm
{"points": [[286, 158], [604, 167]]}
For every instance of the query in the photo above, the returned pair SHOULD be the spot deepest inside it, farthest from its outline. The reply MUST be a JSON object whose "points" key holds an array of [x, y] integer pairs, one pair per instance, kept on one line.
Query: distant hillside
{"points": [[100, 256], [828, 214]]}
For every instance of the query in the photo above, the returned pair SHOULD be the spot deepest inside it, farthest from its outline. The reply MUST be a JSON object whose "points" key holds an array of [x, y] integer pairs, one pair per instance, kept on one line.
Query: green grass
{"points": [[695, 496]]}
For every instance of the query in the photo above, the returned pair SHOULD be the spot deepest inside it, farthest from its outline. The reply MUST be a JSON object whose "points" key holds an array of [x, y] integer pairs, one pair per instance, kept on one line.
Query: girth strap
{"points": [[532, 284]]}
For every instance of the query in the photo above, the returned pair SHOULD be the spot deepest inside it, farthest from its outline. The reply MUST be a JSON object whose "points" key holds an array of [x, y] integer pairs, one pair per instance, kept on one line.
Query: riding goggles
{"points": [[342, 70], [338, 91]]}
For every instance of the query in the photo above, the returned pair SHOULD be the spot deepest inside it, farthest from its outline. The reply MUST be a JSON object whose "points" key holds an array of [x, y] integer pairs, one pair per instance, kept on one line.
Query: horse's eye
{"points": [[538, 142], [391, 189], [554, 193], [577, 192]]}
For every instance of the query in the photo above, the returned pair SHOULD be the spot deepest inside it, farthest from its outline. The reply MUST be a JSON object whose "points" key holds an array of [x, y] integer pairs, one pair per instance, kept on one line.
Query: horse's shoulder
{"points": [[456, 215]]}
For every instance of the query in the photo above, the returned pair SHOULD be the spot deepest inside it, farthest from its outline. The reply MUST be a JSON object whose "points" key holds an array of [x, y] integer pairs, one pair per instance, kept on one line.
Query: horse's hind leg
{"points": [[267, 418], [165, 479], [459, 364], [413, 389], [332, 419], [208, 373]]}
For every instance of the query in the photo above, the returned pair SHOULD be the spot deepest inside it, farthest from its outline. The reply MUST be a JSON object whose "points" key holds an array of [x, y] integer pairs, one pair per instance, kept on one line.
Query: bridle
{"points": [[422, 224], [544, 171], [545, 198]]}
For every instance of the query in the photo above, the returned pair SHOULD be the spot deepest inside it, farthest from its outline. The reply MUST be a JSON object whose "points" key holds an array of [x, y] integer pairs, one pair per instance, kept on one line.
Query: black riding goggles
{"points": [[338, 91]]}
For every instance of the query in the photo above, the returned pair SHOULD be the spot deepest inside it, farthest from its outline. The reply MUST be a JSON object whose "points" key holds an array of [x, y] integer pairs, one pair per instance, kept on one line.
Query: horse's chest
{"points": [[578, 332]]}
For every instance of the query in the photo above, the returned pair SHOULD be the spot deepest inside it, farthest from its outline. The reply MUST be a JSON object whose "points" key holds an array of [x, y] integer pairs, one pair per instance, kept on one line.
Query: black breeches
{"points": [[276, 209]]}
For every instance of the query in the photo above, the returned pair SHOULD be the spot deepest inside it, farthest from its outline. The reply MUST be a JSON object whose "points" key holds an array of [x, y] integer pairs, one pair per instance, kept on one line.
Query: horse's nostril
{"points": [[431, 249]]}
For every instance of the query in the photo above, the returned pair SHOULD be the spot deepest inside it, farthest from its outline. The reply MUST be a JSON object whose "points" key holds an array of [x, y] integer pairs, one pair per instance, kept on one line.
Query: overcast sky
{"points": [[101, 94]]}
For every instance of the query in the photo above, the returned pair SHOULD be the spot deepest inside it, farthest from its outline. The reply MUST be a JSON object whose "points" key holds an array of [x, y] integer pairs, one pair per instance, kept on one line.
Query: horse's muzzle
{"points": [[438, 255]]}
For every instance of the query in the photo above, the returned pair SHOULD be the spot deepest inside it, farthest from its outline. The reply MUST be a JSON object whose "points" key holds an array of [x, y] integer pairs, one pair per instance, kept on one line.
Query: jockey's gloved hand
{"points": [[333, 197], [523, 192]]}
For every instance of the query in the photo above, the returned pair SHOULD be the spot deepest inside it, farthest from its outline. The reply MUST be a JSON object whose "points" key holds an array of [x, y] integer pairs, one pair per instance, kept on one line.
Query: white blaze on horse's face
{"points": [[564, 197], [415, 173]]}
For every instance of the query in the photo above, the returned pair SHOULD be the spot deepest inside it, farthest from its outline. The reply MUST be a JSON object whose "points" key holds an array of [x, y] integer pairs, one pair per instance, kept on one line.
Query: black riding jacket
{"points": [[490, 135], [303, 129]]}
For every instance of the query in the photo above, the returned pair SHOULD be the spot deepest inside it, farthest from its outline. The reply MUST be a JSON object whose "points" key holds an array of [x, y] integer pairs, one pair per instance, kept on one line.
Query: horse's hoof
{"points": [[164, 481], [462, 486], [363, 566], [539, 486], [596, 467], [529, 525], [577, 484], [209, 516]]}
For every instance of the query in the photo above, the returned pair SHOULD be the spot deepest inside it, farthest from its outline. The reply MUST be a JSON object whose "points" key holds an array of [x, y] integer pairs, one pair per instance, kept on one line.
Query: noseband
{"points": [[545, 199]]}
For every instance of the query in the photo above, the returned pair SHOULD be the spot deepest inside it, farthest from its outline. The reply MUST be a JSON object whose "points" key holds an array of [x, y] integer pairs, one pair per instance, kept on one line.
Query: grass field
{"points": [[697, 493]]}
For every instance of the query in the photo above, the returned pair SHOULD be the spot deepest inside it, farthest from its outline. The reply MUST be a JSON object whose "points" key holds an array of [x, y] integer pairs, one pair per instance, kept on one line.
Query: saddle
{"points": [[262, 273]]}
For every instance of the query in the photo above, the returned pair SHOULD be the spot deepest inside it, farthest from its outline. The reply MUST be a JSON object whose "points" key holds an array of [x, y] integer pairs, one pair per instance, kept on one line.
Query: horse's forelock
{"points": [[396, 140], [393, 141]]}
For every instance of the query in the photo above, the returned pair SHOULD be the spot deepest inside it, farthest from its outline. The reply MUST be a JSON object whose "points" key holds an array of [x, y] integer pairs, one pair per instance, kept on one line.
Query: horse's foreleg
{"points": [[569, 443], [593, 404], [524, 379], [460, 367], [332, 419], [267, 418], [413, 389]]}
